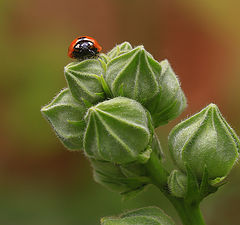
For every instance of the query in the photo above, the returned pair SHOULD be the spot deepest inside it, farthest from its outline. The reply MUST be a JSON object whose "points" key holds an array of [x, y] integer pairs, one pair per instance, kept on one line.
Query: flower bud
{"points": [[118, 131], [170, 101], [147, 215], [123, 179], [84, 81], [127, 179], [66, 115], [177, 183], [205, 140], [134, 75]]}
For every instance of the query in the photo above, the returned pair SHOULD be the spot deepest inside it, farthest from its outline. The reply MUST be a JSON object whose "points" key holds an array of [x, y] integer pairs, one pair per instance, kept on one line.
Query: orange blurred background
{"points": [[43, 184]]}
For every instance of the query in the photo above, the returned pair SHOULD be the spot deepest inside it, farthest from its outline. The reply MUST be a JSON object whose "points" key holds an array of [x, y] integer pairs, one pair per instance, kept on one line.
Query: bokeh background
{"points": [[43, 184]]}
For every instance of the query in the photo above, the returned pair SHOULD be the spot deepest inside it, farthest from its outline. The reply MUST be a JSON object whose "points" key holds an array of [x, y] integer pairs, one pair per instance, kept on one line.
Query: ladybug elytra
{"points": [[84, 47]]}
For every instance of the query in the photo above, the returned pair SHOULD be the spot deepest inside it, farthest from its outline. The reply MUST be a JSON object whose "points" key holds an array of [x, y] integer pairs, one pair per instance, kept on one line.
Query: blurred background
{"points": [[43, 184]]}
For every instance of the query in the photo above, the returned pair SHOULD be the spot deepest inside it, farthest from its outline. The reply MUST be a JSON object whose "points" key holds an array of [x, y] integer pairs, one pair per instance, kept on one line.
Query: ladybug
{"points": [[84, 47]]}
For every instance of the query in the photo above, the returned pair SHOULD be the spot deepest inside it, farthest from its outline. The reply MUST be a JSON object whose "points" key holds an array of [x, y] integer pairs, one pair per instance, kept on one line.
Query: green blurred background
{"points": [[43, 184]]}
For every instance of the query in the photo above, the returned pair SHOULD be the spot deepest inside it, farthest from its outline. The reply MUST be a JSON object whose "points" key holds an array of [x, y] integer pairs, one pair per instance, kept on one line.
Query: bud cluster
{"points": [[110, 109]]}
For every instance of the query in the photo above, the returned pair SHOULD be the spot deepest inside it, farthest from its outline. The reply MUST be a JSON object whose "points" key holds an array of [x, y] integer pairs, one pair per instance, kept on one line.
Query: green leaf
{"points": [[65, 114], [143, 216]]}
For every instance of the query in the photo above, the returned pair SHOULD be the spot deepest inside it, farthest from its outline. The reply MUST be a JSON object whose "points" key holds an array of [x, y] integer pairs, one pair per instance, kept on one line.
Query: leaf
{"points": [[143, 216]]}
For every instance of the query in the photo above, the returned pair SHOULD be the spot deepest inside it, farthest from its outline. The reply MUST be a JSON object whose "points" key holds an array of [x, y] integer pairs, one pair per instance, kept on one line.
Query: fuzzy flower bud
{"points": [[134, 75], [137, 75], [205, 140], [170, 101], [84, 81], [177, 183], [126, 179], [113, 126], [66, 115]]}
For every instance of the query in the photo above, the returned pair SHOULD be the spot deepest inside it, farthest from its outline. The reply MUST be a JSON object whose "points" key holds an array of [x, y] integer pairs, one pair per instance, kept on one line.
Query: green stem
{"points": [[189, 213]]}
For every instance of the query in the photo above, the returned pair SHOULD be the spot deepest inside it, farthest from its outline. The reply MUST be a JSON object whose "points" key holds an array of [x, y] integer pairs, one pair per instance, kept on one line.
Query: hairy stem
{"points": [[189, 213]]}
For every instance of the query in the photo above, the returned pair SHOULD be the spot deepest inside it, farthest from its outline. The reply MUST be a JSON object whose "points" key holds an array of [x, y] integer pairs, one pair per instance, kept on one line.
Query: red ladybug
{"points": [[84, 47]]}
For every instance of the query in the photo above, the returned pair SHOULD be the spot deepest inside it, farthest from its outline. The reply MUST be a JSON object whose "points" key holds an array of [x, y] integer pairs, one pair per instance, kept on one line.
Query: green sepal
{"points": [[198, 189], [192, 195], [83, 80], [66, 116], [142, 216], [205, 187], [189, 187], [218, 182], [105, 87]]}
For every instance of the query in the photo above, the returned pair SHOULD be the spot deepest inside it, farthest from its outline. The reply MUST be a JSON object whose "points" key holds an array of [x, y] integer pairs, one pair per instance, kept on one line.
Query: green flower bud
{"points": [[84, 81], [134, 75], [205, 140], [143, 216], [124, 179], [118, 131], [66, 115], [177, 183], [127, 179], [119, 49], [170, 101]]}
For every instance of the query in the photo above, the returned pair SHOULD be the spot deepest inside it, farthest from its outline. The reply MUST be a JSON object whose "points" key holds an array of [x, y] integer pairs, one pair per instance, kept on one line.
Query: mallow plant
{"points": [[110, 110]]}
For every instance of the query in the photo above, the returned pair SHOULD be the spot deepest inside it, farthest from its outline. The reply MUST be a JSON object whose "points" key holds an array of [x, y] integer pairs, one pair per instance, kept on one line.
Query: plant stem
{"points": [[189, 213]]}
